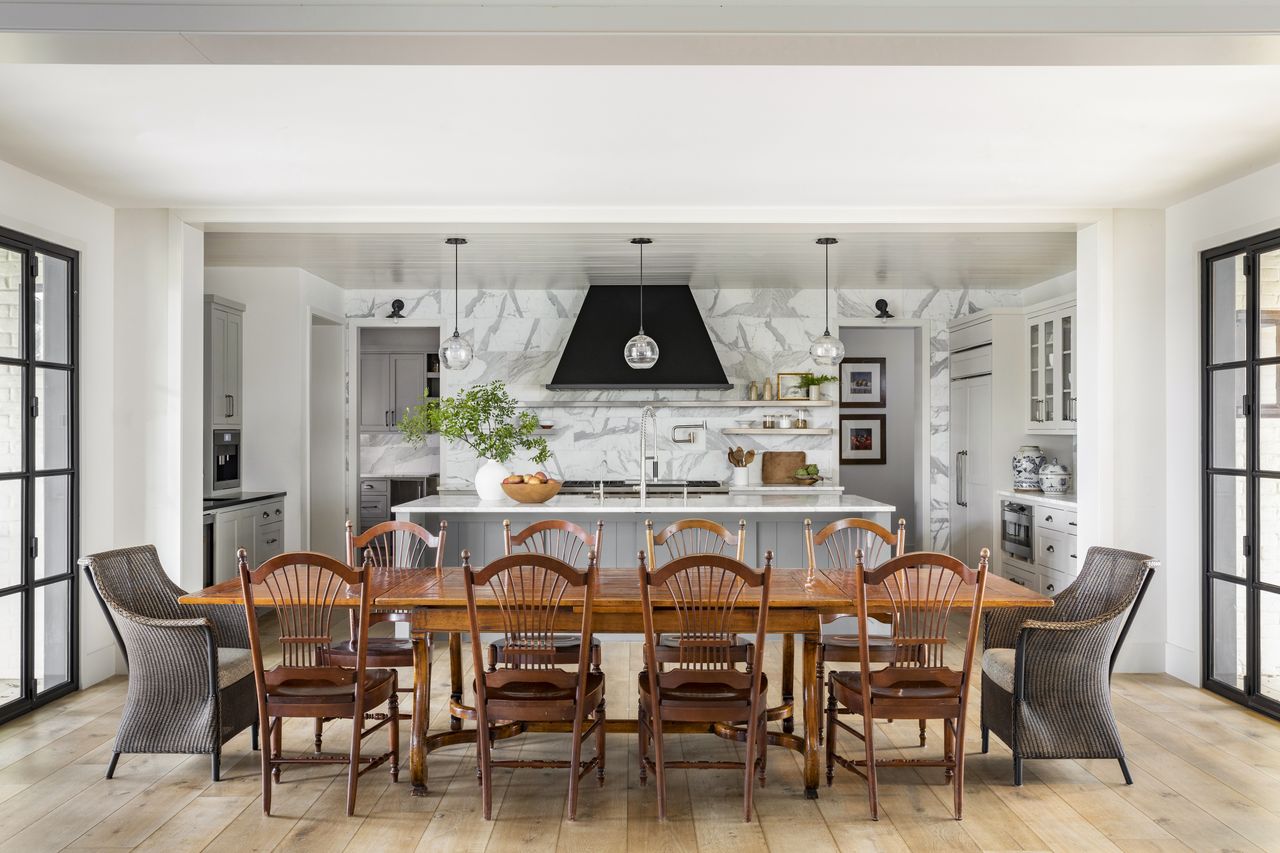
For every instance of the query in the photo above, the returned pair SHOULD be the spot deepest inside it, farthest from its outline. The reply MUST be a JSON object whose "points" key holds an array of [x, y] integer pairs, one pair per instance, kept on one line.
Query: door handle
{"points": [[233, 405], [226, 405], [965, 472], [959, 500], [386, 417]]}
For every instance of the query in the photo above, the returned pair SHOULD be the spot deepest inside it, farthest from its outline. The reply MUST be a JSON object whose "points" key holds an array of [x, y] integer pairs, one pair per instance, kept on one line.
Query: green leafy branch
{"points": [[483, 418]]}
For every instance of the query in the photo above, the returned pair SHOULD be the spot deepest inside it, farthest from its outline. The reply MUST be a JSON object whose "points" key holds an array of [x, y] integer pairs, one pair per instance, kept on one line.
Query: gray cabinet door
{"points": [[233, 369], [375, 392], [216, 341], [233, 529], [408, 383]]}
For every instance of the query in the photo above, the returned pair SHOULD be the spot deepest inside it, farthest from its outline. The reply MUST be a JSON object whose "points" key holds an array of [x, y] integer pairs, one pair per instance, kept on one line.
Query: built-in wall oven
{"points": [[1015, 529], [222, 471]]}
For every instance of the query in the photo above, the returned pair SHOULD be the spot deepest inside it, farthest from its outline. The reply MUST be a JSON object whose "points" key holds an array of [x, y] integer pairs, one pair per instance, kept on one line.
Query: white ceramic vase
{"points": [[489, 477], [742, 476]]}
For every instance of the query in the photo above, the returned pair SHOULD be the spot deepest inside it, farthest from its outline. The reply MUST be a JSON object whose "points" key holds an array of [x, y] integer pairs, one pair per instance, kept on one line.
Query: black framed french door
{"points": [[39, 489], [1241, 455]]}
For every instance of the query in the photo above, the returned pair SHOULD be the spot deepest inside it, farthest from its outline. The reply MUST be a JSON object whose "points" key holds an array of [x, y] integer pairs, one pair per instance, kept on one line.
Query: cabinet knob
{"points": [[1049, 548], [266, 514], [1049, 587], [1048, 518], [279, 511]]}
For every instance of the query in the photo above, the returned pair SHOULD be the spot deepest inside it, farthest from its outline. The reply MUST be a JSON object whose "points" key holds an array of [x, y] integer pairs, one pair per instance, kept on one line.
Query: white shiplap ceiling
{"points": [[723, 258]]}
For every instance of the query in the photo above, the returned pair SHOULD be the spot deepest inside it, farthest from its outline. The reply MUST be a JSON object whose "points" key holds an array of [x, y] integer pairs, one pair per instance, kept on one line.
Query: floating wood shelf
{"points": [[763, 431], [677, 404]]}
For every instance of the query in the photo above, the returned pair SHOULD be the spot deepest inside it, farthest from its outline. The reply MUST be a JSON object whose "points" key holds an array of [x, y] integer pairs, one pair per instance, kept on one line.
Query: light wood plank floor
{"points": [[1207, 774]]}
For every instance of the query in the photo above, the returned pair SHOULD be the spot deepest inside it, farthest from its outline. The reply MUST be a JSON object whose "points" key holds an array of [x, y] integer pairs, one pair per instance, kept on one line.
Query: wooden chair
{"points": [[843, 538], [531, 594], [705, 592], [565, 541], [690, 536], [388, 545], [304, 588], [919, 685]]}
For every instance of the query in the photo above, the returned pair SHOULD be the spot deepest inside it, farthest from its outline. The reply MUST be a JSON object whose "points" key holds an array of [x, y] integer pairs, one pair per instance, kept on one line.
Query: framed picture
{"points": [[862, 440], [789, 387], [862, 384]]}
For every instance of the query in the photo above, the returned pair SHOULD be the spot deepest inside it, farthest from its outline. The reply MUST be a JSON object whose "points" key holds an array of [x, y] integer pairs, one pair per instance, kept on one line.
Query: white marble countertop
{"points": [[761, 489], [747, 504], [1066, 501]]}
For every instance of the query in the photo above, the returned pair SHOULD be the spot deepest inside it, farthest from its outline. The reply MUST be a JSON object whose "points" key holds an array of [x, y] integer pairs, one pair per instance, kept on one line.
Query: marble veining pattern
{"points": [[518, 335]]}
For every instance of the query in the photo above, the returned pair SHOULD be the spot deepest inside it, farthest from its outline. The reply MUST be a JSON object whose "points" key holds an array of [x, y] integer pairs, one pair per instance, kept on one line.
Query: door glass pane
{"points": [[1228, 626], [10, 303], [1228, 424], [1229, 524], [1068, 357], [10, 648], [53, 427], [53, 525], [1268, 303], [1049, 358], [11, 418], [1268, 418], [10, 533], [1034, 331], [53, 635], [1228, 303], [51, 317], [1269, 628]]}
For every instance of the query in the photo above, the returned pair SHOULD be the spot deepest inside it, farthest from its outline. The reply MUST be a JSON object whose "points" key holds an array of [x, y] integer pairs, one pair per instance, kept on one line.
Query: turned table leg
{"points": [[421, 710], [788, 679], [455, 677], [812, 706]]}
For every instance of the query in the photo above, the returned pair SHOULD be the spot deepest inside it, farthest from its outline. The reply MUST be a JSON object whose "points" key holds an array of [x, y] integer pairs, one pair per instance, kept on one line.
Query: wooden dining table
{"points": [[799, 603]]}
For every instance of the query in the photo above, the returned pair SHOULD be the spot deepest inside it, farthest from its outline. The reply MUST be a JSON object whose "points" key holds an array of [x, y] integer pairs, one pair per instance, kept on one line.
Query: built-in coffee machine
{"points": [[222, 466]]}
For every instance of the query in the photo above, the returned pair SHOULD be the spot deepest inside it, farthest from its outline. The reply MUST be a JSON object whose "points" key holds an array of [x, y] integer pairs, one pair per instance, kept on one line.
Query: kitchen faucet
{"points": [[646, 414]]}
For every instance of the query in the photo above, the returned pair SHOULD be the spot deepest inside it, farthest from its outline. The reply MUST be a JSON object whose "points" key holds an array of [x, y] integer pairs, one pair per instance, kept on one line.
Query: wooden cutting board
{"points": [[779, 467]]}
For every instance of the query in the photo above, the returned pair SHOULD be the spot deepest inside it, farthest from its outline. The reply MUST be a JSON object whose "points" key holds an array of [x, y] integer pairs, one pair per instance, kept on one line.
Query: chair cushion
{"points": [[533, 690], [850, 684], [997, 664], [233, 665], [319, 691], [699, 692], [383, 652]]}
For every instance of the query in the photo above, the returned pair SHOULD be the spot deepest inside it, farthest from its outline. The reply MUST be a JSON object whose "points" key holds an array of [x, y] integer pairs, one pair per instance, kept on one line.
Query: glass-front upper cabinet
{"points": [[1051, 362]]}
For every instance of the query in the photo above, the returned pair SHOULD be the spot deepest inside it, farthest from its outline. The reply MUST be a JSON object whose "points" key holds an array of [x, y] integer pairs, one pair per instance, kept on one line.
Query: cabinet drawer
{"points": [[973, 335], [1054, 549], [1021, 576], [1052, 518], [974, 362], [373, 486], [374, 506], [268, 512], [1053, 581], [270, 541]]}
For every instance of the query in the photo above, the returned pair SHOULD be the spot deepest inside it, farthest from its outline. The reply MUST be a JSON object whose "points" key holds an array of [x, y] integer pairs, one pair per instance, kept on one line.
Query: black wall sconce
{"points": [[882, 310], [397, 307]]}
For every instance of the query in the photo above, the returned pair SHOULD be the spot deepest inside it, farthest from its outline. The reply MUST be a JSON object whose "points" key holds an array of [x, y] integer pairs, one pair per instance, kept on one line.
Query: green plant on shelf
{"points": [[811, 380], [483, 418]]}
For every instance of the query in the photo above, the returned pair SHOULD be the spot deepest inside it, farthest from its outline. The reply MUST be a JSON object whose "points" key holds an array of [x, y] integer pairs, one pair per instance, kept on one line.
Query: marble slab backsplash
{"points": [[518, 335], [387, 454]]}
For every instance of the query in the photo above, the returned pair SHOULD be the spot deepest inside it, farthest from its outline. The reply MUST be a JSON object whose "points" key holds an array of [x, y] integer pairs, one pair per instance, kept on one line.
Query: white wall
{"points": [[1242, 208], [277, 331], [327, 414], [43, 209]]}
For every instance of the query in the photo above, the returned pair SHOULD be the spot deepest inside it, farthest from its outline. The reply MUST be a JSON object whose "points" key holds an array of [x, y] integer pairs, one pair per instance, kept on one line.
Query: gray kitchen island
{"points": [[774, 521]]}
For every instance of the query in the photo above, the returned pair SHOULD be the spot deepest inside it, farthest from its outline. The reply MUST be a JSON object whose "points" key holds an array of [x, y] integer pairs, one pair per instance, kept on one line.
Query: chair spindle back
{"points": [[690, 536], [845, 536], [563, 540]]}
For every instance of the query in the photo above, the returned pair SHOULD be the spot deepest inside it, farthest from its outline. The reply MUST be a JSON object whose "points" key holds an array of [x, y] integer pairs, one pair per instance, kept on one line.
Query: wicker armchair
{"points": [[191, 685], [1046, 674]]}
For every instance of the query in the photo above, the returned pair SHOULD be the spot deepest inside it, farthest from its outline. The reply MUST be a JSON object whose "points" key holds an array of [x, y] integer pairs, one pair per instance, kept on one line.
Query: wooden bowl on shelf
{"points": [[532, 493]]}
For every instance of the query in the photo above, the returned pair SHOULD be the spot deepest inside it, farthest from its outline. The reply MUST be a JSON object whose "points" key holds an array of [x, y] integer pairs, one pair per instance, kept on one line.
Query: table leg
{"points": [[455, 677], [421, 711], [812, 706], [788, 679]]}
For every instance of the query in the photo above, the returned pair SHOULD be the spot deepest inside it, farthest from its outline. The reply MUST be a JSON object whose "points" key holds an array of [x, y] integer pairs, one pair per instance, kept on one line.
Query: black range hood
{"points": [[592, 358]]}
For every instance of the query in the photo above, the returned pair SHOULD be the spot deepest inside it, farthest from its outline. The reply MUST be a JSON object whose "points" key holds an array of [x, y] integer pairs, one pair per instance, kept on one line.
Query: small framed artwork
{"points": [[789, 387], [862, 383], [862, 440]]}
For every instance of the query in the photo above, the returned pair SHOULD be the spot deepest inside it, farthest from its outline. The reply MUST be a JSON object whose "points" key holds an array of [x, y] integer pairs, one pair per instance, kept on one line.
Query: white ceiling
{"points": [[746, 138], [869, 259]]}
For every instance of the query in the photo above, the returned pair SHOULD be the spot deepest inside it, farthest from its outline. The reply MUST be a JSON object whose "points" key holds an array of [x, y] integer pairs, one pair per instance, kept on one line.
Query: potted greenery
{"points": [[483, 418], [814, 383]]}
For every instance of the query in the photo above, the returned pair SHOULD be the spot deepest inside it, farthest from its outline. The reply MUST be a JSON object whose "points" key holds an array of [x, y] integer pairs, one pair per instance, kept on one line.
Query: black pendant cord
{"points": [[826, 290], [642, 288]]}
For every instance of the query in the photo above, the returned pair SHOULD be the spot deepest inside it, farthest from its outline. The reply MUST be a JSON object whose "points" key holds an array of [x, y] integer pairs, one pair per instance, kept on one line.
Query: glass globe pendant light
{"points": [[826, 350], [641, 352], [455, 352]]}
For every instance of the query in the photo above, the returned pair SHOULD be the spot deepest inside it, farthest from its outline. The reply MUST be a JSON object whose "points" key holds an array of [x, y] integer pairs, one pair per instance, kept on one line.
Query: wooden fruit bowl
{"points": [[532, 493]]}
